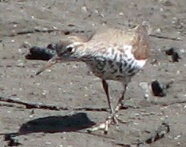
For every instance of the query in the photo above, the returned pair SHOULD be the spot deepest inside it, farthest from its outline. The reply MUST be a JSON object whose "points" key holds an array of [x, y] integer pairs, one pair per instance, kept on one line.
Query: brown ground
{"points": [[70, 85]]}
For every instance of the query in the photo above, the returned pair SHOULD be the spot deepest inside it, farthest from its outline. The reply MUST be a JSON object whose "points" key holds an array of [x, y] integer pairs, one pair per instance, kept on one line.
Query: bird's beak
{"points": [[51, 62]]}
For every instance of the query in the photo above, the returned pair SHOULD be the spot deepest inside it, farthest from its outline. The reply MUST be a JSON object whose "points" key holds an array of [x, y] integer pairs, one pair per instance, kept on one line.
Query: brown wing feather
{"points": [[112, 38]]}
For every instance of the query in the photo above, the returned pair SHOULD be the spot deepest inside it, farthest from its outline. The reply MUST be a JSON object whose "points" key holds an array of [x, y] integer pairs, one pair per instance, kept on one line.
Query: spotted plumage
{"points": [[111, 54]]}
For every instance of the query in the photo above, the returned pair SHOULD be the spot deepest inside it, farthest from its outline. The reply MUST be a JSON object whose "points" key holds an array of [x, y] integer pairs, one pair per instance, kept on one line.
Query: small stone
{"points": [[45, 92], [84, 8], [15, 25], [48, 143], [145, 87], [21, 64], [174, 55], [158, 30], [182, 51], [177, 137], [25, 45], [12, 40], [157, 89], [54, 27], [121, 13]]}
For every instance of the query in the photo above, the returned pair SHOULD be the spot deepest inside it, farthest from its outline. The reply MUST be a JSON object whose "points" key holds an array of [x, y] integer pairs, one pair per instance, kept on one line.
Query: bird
{"points": [[111, 54]]}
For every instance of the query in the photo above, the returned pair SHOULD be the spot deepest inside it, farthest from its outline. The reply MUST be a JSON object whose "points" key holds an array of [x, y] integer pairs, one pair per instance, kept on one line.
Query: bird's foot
{"points": [[111, 120], [103, 126]]}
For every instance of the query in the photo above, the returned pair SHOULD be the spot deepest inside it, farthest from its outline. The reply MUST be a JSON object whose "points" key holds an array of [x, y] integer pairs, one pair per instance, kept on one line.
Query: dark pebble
{"points": [[157, 89], [174, 55]]}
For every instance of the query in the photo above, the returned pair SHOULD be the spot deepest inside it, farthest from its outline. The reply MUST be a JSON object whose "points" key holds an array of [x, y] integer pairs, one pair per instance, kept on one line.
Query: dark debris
{"points": [[40, 53], [160, 89], [157, 89], [174, 54]]}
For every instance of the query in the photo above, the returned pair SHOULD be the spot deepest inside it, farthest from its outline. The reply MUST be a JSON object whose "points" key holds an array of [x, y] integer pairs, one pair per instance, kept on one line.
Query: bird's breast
{"points": [[115, 69]]}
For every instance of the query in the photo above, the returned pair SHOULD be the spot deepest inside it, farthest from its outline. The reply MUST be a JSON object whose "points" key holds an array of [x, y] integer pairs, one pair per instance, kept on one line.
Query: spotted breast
{"points": [[119, 59]]}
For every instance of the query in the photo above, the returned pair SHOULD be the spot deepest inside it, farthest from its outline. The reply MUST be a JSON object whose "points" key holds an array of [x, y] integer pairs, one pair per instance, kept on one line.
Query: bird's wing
{"points": [[115, 41], [108, 44]]}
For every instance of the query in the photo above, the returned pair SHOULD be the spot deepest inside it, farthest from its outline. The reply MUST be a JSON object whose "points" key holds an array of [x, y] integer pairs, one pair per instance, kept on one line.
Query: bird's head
{"points": [[65, 51]]}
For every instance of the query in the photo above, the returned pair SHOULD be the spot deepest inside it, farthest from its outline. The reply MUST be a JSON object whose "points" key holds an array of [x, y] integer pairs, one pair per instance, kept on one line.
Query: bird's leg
{"points": [[106, 89], [121, 99], [117, 108], [104, 126]]}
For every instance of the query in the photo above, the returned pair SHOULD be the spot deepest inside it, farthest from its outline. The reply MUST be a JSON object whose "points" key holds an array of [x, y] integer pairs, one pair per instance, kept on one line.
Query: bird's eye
{"points": [[69, 49]]}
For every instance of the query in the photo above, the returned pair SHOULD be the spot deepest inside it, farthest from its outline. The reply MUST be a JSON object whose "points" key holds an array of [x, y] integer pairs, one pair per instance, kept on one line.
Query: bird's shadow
{"points": [[54, 124]]}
